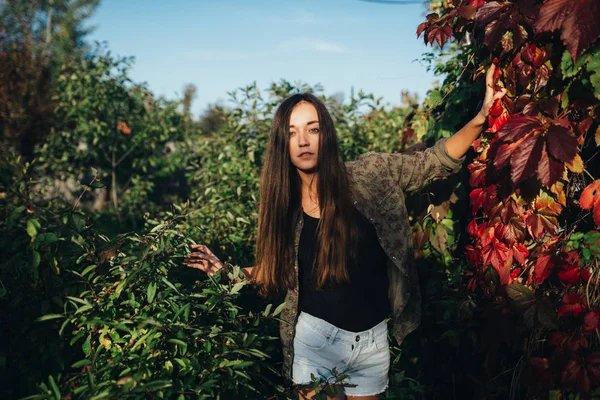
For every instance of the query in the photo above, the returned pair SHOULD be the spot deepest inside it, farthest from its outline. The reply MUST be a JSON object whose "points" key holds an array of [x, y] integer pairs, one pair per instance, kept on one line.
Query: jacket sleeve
{"points": [[413, 171]]}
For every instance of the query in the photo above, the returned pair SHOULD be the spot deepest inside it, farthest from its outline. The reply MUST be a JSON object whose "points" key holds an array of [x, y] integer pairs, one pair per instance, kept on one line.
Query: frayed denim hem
{"points": [[369, 394]]}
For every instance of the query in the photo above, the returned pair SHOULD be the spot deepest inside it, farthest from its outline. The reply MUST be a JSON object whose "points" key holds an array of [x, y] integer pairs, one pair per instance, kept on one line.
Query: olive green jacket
{"points": [[378, 182]]}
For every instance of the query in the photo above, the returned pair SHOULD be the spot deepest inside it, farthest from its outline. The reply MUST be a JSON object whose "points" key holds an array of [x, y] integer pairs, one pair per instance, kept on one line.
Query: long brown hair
{"points": [[280, 203]]}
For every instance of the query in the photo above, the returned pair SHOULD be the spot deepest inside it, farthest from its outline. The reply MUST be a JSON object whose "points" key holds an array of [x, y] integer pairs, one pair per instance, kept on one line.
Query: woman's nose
{"points": [[303, 138]]}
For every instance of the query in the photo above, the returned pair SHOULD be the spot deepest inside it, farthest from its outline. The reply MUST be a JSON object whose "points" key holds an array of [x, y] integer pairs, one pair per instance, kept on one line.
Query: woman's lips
{"points": [[305, 155]]}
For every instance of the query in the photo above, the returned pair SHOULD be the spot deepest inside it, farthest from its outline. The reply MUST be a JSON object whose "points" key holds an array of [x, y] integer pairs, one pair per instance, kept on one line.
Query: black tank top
{"points": [[357, 306]]}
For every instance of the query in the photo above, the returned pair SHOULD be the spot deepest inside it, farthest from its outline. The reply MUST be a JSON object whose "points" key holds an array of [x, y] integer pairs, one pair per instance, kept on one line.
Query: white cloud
{"points": [[328, 47]]}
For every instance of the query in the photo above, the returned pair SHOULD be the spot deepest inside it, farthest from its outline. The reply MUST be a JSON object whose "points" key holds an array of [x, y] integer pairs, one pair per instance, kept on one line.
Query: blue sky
{"points": [[221, 45]]}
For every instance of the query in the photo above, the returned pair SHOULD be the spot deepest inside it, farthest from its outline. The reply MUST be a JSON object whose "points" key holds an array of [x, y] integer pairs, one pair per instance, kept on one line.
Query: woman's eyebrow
{"points": [[311, 122]]}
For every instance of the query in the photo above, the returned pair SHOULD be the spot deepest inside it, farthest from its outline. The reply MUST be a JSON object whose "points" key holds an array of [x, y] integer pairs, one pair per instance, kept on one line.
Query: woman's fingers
{"points": [[209, 269], [203, 259], [489, 77], [203, 265], [491, 94], [202, 248], [196, 256], [499, 94]]}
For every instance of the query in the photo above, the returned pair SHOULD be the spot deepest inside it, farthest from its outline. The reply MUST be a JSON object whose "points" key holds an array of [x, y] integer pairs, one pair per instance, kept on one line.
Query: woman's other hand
{"points": [[490, 92], [203, 259]]}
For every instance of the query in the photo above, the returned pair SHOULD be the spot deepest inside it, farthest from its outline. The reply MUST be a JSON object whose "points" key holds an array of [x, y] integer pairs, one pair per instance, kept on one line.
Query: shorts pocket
{"points": [[382, 343], [311, 338]]}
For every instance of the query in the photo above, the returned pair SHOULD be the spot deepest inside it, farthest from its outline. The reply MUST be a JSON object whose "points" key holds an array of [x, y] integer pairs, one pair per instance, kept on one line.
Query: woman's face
{"points": [[304, 131]]}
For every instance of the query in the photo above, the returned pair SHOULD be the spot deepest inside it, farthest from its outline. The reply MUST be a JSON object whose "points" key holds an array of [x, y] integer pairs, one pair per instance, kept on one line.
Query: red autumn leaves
{"points": [[531, 141], [504, 23], [123, 127], [590, 200], [578, 22], [581, 374], [532, 148], [575, 371], [578, 373], [435, 29], [508, 224], [572, 305], [438, 29], [520, 179]]}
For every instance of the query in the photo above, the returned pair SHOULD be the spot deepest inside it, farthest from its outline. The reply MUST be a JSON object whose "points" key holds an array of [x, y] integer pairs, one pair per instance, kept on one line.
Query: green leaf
{"points": [[48, 317], [235, 238], [440, 239], [151, 291], [230, 363], [169, 284], [278, 309], [177, 341], [31, 229], [236, 288], [180, 362], [81, 363], [63, 326], [78, 300], [566, 64], [267, 309], [83, 309], [88, 269], [157, 385], [140, 340], [593, 67], [86, 347], [54, 387], [182, 345], [98, 185], [576, 235], [46, 238]]}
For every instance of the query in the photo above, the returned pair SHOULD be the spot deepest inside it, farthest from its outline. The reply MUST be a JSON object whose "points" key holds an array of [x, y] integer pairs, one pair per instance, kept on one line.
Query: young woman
{"points": [[335, 235]]}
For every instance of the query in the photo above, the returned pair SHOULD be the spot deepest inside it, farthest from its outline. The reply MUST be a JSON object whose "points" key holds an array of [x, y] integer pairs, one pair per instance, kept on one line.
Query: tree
{"points": [[36, 39], [213, 119]]}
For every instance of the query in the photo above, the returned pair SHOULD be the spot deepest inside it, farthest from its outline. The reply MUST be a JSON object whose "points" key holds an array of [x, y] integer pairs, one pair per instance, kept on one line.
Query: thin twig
{"points": [[453, 87], [126, 154], [82, 193]]}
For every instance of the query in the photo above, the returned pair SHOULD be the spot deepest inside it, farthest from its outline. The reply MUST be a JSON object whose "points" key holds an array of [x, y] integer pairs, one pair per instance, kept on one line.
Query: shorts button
{"points": [[357, 338]]}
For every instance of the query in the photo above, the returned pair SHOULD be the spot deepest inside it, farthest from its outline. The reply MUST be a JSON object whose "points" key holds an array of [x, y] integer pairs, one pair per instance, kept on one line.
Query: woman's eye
{"points": [[315, 129]]}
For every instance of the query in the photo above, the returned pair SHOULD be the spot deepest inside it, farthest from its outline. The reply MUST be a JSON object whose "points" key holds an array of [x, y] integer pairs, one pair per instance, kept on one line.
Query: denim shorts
{"points": [[364, 356]]}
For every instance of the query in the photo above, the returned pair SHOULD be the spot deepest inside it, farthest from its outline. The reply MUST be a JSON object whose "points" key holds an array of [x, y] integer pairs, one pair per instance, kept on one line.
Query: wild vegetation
{"points": [[103, 187]]}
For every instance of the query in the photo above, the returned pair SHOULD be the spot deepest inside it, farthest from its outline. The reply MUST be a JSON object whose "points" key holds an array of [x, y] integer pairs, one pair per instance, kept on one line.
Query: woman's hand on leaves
{"points": [[203, 259], [490, 92]]}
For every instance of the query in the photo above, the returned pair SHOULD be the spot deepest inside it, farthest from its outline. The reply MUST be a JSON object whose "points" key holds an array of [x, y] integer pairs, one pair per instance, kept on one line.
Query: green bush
{"points": [[95, 310]]}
